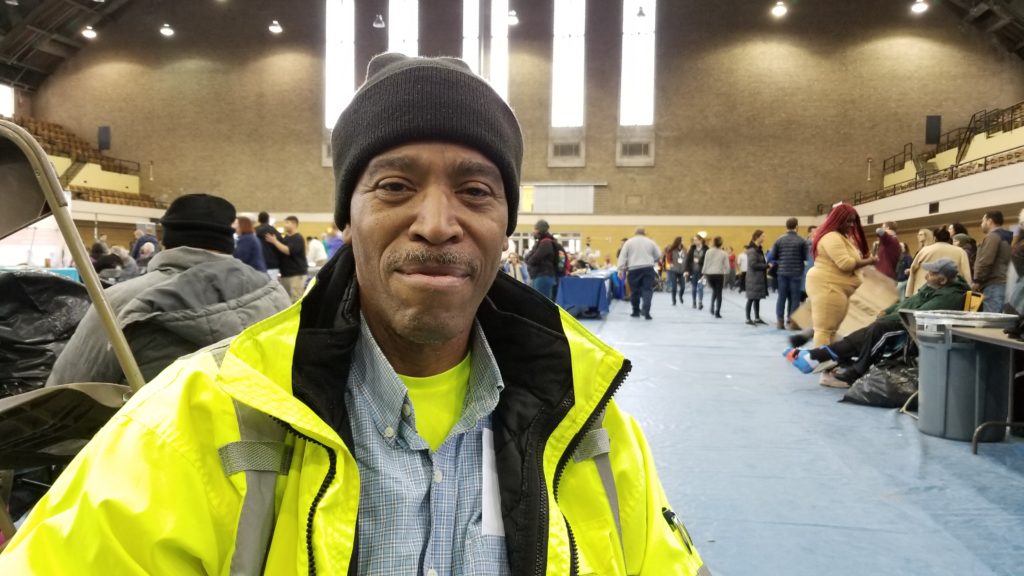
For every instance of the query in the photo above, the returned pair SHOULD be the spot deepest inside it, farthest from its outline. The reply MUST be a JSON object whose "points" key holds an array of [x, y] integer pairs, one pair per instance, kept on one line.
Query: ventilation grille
{"points": [[634, 149], [565, 150]]}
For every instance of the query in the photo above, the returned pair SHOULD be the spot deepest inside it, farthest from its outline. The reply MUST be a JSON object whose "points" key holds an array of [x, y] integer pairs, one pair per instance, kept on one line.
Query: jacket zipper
{"points": [[328, 478], [564, 461]]}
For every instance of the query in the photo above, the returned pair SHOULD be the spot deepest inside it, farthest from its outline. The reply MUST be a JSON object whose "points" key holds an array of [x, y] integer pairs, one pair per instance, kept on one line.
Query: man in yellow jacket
{"points": [[415, 413]]}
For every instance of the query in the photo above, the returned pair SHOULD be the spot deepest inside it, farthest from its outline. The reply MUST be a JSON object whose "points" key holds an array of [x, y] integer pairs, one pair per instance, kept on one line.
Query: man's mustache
{"points": [[424, 257]]}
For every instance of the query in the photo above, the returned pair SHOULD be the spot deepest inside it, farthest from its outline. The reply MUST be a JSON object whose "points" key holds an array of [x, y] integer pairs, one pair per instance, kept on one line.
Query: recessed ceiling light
{"points": [[166, 30], [11, 2], [275, 27], [919, 7], [779, 10], [88, 32], [513, 18]]}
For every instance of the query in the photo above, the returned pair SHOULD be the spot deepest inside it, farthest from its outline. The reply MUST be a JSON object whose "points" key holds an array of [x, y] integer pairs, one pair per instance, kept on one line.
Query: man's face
{"points": [[935, 280], [986, 225], [921, 237], [427, 231]]}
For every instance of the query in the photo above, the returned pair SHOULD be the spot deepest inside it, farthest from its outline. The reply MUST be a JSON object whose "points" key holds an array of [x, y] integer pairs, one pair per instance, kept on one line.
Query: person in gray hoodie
{"points": [[195, 294]]}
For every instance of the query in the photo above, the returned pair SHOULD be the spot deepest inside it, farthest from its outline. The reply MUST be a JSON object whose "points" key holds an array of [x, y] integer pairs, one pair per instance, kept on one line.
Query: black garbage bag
{"points": [[888, 384], [39, 312]]}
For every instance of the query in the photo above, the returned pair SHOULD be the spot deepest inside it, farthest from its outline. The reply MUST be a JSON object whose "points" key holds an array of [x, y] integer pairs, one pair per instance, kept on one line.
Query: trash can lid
{"points": [[966, 319]]}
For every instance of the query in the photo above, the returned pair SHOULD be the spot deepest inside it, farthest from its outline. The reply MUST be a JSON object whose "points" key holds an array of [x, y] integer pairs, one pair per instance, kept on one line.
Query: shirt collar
{"points": [[374, 378]]}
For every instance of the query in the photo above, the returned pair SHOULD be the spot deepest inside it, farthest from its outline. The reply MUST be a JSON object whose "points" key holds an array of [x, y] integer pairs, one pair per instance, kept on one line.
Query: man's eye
{"points": [[477, 191], [393, 186]]}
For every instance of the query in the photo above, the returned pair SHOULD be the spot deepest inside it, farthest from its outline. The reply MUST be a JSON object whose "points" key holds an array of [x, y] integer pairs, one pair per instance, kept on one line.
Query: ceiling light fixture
{"points": [[166, 30], [378, 22], [11, 2], [513, 18], [919, 7], [640, 12], [779, 10], [88, 32], [275, 27]]}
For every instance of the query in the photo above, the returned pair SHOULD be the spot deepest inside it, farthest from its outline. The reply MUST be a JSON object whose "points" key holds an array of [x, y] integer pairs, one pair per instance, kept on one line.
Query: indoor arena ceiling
{"points": [[36, 36]]}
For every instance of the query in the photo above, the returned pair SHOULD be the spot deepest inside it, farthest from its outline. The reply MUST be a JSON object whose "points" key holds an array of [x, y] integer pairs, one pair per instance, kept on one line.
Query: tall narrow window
{"points": [[499, 47], [567, 59], [471, 34], [404, 27], [6, 101], [340, 59], [636, 103]]}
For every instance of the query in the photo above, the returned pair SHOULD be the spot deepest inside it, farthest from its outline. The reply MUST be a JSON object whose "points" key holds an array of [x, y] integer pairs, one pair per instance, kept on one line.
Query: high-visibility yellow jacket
{"points": [[150, 493]]}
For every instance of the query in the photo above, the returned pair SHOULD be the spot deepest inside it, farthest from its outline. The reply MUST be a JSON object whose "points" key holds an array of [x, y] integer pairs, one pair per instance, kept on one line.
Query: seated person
{"points": [[195, 294], [945, 290]]}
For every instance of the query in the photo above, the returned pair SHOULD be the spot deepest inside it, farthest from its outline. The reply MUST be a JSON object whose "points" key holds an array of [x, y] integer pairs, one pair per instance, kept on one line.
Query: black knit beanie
{"points": [[407, 100], [200, 221]]}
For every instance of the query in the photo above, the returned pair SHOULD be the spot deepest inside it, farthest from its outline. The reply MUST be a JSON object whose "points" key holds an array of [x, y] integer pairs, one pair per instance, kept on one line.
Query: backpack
{"points": [[563, 265]]}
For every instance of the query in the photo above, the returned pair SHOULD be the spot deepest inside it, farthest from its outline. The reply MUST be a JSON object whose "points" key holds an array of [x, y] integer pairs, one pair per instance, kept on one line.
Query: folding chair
{"points": [[50, 425]]}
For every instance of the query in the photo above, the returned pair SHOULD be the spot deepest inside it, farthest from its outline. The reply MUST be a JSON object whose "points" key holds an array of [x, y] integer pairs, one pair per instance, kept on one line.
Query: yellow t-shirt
{"points": [[438, 400]]}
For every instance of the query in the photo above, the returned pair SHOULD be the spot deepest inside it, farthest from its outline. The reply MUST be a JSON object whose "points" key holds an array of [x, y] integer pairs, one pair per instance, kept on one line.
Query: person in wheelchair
{"points": [[856, 352]]}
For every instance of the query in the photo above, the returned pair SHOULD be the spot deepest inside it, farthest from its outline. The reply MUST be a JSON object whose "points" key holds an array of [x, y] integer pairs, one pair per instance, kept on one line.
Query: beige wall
{"points": [[754, 116]]}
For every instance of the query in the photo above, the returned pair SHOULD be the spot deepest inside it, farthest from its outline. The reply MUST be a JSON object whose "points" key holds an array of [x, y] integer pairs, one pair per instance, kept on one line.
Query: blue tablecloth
{"points": [[583, 295]]}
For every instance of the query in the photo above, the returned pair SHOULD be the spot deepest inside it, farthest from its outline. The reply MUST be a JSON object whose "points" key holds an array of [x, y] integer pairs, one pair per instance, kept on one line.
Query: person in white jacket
{"points": [[716, 266]]}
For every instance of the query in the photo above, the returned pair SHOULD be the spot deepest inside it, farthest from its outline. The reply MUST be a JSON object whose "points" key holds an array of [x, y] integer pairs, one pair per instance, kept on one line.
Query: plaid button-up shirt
{"points": [[422, 512]]}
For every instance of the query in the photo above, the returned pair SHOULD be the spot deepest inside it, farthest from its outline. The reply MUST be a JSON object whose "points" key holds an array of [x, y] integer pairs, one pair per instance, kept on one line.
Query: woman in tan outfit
{"points": [[840, 249]]}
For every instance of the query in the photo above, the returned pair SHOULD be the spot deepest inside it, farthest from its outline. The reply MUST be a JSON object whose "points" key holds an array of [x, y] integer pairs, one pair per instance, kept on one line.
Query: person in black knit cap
{"points": [[194, 294]]}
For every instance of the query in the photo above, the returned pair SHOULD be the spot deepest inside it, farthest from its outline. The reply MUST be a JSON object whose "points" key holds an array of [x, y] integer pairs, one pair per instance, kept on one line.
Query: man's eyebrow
{"points": [[476, 168], [399, 163]]}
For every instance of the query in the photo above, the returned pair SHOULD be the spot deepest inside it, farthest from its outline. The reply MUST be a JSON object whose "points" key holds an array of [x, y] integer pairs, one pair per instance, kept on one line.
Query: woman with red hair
{"points": [[840, 249]]}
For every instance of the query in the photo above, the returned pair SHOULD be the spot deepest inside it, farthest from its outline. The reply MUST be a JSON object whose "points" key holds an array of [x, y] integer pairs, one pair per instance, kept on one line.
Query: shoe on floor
{"points": [[828, 380], [824, 366], [648, 317], [790, 325], [799, 339], [779, 325], [751, 323], [759, 321], [718, 316], [634, 315], [701, 307], [801, 359]]}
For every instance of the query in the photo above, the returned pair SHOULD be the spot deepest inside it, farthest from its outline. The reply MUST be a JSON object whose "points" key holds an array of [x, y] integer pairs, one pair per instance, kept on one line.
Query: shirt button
{"points": [[389, 432], [406, 410], [438, 477], [431, 572]]}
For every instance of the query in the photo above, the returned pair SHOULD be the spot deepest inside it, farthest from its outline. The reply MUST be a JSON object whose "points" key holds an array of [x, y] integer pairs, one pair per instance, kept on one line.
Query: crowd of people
{"points": [[285, 255], [948, 265]]}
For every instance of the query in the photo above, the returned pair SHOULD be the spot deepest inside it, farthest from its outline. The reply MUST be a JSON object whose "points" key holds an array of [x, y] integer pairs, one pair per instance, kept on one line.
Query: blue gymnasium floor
{"points": [[774, 477]]}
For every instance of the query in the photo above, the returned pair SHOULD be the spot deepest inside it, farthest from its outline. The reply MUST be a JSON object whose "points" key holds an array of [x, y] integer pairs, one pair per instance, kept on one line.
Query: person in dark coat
{"points": [[542, 260], [248, 248], [270, 253], [757, 277]]}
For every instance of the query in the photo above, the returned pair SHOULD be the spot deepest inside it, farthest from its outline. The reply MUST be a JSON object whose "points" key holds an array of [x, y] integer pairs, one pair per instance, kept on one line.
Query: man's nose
{"points": [[437, 217]]}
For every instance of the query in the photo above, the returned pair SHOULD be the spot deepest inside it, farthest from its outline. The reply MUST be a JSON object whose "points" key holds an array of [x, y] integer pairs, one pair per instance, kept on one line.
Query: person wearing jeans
{"points": [[675, 260], [790, 252], [637, 259], [694, 266]]}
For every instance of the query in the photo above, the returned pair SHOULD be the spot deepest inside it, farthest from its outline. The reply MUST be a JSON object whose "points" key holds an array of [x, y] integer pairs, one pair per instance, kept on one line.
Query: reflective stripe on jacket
{"points": [[149, 494]]}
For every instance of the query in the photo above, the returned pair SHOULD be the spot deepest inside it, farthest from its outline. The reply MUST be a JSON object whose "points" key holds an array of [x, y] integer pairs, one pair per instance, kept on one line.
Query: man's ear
{"points": [[346, 234]]}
